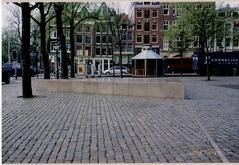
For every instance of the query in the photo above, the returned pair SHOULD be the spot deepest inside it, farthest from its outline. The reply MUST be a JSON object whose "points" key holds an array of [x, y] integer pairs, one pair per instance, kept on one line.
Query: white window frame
{"points": [[153, 11], [154, 23], [156, 38], [164, 24], [81, 38], [166, 7], [137, 25], [137, 38], [139, 10]]}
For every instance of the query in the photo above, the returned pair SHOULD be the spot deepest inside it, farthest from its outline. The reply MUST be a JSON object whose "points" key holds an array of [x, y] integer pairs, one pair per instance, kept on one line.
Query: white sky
{"points": [[125, 5]]}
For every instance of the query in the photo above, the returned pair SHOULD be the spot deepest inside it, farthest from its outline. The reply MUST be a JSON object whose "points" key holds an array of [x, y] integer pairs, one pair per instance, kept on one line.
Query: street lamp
{"points": [[57, 47]]}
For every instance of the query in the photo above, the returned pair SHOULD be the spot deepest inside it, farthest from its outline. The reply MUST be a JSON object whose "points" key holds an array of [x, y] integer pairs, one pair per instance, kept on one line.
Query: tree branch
{"points": [[48, 9], [50, 18], [35, 20], [18, 4], [82, 19], [34, 6]]}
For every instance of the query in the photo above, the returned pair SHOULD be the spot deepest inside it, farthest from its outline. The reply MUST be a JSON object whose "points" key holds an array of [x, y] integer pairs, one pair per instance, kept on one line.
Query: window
{"points": [[88, 39], [196, 42], [155, 3], [130, 48], [154, 13], [147, 13], [104, 39], [87, 29], [123, 37], [154, 25], [228, 27], [129, 36], [98, 39], [124, 26], [219, 41], [110, 51], [97, 27], [79, 38], [97, 51], [179, 12], [54, 34], [139, 25], [104, 28], [174, 11], [228, 41], [139, 13], [68, 47], [139, 38], [174, 22], [154, 38], [139, 3], [165, 25], [165, 10], [109, 40], [235, 42], [146, 3], [165, 44], [79, 29], [103, 51], [146, 26], [53, 43], [146, 39], [67, 33]]}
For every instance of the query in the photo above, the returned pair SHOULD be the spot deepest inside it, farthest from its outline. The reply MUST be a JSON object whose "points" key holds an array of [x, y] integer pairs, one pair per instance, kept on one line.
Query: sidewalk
{"points": [[76, 128]]}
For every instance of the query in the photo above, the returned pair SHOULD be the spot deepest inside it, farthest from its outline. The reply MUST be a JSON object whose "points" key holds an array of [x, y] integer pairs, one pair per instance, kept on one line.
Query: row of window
{"points": [[103, 51], [146, 39], [177, 11], [228, 42], [154, 25], [154, 13], [101, 39], [88, 39]]}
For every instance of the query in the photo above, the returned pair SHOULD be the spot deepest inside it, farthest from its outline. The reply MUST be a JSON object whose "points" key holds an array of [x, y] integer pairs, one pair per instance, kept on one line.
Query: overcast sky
{"points": [[125, 5]]}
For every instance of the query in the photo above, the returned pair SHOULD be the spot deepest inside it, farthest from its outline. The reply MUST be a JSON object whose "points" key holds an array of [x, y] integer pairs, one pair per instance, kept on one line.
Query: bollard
{"points": [[234, 71], [92, 70], [99, 70]]}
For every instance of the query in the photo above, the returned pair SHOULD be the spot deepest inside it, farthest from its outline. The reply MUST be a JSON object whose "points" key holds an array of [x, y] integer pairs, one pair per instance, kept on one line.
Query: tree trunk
{"points": [[45, 56], [208, 67], [58, 9], [72, 42], [26, 60], [120, 60]]}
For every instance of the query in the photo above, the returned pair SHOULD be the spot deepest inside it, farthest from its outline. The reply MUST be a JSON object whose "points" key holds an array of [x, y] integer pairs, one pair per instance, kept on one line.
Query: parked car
{"points": [[5, 76], [117, 70], [8, 67]]}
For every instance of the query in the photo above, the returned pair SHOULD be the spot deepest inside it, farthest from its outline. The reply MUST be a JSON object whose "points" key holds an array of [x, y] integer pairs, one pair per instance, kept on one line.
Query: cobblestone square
{"points": [[56, 127]]}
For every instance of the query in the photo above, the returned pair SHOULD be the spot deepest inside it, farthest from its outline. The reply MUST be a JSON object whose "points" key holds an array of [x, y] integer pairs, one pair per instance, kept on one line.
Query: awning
{"points": [[147, 53]]}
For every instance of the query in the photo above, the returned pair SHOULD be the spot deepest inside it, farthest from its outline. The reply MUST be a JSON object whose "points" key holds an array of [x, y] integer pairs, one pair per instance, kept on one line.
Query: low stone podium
{"points": [[128, 87]]}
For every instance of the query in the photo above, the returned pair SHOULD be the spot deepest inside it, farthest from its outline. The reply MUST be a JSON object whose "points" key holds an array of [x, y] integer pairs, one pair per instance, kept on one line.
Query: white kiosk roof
{"points": [[146, 53]]}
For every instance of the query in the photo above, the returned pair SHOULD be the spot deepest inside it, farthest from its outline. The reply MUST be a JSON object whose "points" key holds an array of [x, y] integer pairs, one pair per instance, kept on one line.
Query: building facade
{"points": [[229, 40], [152, 20]]}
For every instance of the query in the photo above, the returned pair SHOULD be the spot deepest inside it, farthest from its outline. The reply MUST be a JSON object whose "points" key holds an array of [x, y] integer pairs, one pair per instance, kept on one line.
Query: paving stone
{"points": [[58, 127]]}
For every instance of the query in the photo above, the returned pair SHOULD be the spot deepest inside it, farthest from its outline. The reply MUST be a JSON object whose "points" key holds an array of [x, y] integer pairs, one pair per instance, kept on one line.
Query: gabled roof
{"points": [[146, 53]]}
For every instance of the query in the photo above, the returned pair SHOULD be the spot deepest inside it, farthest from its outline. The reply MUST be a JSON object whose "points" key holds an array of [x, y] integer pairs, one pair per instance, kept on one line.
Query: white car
{"points": [[117, 70]]}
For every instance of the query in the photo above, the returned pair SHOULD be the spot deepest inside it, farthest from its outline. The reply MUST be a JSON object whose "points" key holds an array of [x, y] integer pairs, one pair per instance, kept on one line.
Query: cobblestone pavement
{"points": [[78, 128]]}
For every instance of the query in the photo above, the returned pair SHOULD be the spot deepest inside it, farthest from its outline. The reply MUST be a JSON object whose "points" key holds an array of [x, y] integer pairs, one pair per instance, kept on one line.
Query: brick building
{"points": [[153, 19]]}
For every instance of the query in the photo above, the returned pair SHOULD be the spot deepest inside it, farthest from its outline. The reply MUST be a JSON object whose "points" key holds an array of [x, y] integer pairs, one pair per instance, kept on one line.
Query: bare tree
{"points": [[44, 19], [25, 48], [116, 20], [74, 19], [59, 10]]}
